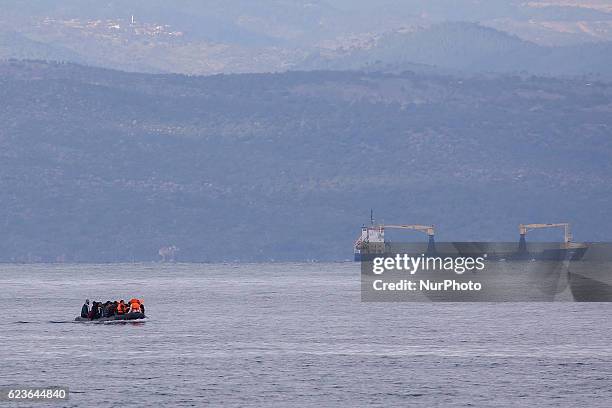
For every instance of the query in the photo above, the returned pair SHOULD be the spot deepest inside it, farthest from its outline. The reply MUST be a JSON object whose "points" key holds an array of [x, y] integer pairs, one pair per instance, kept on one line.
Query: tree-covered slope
{"points": [[99, 165]]}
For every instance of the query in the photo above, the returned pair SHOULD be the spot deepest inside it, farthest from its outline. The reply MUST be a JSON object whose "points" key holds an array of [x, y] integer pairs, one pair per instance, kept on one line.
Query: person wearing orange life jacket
{"points": [[135, 306], [121, 307]]}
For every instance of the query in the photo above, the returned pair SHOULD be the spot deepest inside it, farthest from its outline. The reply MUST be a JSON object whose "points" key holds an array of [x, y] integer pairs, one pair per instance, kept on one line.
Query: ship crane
{"points": [[372, 240], [525, 228], [427, 229]]}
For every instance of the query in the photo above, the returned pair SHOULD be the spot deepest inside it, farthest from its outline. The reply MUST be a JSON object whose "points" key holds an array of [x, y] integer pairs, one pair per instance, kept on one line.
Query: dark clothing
{"points": [[95, 311], [85, 310], [142, 308], [105, 310]]}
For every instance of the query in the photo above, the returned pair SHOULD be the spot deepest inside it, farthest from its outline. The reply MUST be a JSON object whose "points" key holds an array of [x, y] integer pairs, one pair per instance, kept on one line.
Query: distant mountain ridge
{"points": [[18, 46], [241, 36], [441, 48], [470, 47]]}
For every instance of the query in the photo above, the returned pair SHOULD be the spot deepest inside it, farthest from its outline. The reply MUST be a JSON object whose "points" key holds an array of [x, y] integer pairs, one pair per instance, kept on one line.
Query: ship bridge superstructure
{"points": [[372, 238]]}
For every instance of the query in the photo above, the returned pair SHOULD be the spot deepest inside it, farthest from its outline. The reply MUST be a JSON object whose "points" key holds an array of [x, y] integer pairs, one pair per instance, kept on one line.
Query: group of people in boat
{"points": [[111, 308]]}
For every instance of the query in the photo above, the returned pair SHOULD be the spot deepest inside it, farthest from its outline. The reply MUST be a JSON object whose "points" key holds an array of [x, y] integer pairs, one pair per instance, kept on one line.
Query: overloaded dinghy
{"points": [[110, 311]]}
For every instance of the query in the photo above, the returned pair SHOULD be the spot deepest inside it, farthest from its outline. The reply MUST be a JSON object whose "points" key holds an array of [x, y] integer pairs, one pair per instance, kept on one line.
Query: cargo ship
{"points": [[371, 243], [516, 271]]}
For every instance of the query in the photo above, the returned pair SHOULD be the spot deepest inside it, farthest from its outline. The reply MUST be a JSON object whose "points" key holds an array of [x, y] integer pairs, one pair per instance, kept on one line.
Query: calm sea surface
{"points": [[291, 335]]}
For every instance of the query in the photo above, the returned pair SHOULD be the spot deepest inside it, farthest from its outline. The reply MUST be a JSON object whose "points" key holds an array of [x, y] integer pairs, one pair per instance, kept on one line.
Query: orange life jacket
{"points": [[121, 308], [135, 307]]}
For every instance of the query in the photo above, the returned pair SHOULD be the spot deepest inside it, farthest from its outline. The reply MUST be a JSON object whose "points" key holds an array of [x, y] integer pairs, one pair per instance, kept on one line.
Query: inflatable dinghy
{"points": [[128, 316]]}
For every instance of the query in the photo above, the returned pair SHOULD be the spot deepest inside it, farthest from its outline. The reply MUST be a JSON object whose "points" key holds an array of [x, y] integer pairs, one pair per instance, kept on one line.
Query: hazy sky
{"points": [[447, 9]]}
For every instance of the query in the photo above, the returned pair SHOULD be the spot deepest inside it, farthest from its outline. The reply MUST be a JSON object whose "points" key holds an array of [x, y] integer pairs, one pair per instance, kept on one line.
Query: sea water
{"points": [[290, 335]]}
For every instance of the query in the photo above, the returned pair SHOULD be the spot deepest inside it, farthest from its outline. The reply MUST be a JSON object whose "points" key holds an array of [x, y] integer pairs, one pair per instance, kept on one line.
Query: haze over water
{"points": [[291, 335]]}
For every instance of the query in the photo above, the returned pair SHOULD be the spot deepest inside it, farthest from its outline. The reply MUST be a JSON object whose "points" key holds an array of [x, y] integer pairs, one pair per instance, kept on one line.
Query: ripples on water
{"points": [[291, 335]]}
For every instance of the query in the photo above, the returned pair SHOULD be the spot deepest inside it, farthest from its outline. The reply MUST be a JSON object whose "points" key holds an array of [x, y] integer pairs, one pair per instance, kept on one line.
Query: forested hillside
{"points": [[99, 165]]}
